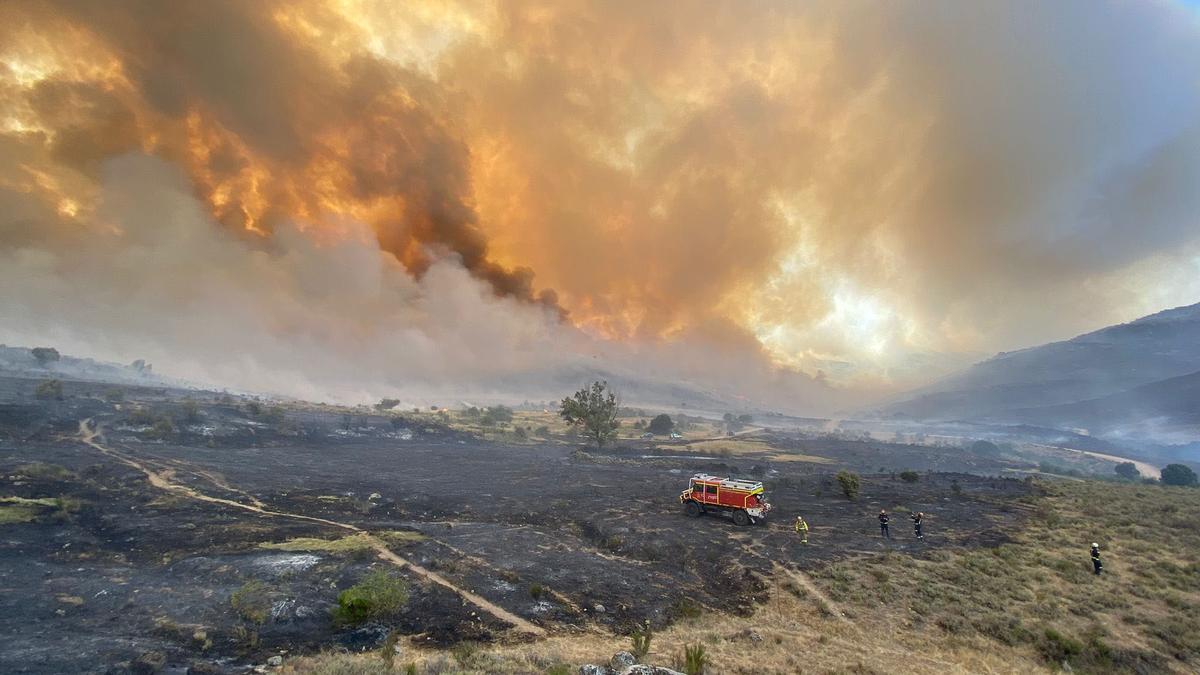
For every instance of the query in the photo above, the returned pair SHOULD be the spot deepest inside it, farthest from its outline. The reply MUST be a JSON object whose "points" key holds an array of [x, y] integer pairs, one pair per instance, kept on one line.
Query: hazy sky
{"points": [[364, 194]]}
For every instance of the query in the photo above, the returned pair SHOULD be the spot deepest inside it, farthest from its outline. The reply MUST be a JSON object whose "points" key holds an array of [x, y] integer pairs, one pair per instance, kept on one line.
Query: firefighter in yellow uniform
{"points": [[802, 529]]}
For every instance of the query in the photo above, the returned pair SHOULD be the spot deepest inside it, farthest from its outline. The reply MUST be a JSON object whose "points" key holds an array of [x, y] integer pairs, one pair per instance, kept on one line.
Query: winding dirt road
{"points": [[89, 434]]}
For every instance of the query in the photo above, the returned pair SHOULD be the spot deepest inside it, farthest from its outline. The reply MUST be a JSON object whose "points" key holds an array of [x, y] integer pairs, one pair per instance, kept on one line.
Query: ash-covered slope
{"points": [[1019, 386], [46, 363]]}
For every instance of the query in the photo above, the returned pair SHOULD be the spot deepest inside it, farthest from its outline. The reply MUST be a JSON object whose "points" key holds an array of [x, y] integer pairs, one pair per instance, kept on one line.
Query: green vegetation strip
{"points": [[360, 541]]}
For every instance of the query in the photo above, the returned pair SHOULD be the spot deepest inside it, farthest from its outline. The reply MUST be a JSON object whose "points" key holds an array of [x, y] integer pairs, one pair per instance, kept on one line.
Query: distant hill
{"points": [[1164, 409], [1115, 377]]}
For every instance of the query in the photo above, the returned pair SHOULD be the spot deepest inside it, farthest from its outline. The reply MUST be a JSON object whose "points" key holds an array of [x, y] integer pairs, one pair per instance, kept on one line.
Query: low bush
{"points": [[379, 594], [910, 476], [694, 660], [49, 390], [639, 641], [252, 602], [850, 484]]}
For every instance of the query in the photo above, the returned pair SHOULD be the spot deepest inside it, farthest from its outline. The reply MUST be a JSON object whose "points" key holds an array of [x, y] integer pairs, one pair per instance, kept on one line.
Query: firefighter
{"points": [[802, 529], [884, 519], [918, 519], [1097, 566]]}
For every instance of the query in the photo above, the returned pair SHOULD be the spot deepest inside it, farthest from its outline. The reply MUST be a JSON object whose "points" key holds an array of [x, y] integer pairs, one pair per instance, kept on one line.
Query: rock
{"points": [[275, 661], [204, 668], [621, 661], [753, 636], [650, 670], [375, 495], [599, 609], [592, 669]]}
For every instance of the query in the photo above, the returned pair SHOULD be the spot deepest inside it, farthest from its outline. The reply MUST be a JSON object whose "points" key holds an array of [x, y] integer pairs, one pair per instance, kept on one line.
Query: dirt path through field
{"points": [[802, 579], [89, 435]]}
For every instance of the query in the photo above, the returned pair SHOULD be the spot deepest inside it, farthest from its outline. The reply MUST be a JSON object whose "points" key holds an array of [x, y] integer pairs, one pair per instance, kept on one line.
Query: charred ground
{"points": [[105, 569]]}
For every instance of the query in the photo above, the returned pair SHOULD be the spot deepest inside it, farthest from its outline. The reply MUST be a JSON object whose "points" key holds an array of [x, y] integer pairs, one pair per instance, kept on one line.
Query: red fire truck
{"points": [[743, 499]]}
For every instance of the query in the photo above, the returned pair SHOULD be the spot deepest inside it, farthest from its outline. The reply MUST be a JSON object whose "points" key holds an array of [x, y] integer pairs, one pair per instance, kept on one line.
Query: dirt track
{"points": [[88, 434]]}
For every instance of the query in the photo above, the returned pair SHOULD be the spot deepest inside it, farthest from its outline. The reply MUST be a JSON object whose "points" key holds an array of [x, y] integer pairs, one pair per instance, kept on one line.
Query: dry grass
{"points": [[353, 543], [1021, 607]]}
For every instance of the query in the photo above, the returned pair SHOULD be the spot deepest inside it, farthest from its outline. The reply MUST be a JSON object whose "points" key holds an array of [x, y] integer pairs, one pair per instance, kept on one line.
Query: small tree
{"points": [[1178, 474], [1127, 470], [849, 482], [595, 409], [45, 355], [49, 390], [661, 425]]}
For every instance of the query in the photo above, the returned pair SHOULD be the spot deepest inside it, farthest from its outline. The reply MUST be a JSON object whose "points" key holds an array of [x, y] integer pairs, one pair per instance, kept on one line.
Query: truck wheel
{"points": [[692, 509], [741, 518]]}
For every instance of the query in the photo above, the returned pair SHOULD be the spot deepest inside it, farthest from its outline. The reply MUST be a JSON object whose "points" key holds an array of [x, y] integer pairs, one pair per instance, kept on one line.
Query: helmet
{"points": [[1095, 545]]}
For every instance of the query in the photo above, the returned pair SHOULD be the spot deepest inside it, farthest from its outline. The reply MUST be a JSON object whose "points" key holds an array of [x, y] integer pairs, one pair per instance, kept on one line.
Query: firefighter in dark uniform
{"points": [[918, 519], [1097, 566], [884, 519]]}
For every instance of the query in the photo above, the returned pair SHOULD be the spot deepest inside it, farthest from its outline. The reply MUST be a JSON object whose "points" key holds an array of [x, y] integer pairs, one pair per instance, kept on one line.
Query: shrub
{"points": [[686, 608], [542, 431], [849, 482], [1127, 470], [985, 448], [387, 403], [377, 595], [1176, 474], [910, 476], [114, 395], [162, 428], [639, 641], [694, 659], [388, 651], [49, 390], [252, 602], [190, 413], [1055, 647], [536, 591]]}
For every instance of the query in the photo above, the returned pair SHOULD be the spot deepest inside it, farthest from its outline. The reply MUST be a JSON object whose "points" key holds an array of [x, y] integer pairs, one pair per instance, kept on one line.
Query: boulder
{"points": [[275, 661], [622, 661], [593, 669]]}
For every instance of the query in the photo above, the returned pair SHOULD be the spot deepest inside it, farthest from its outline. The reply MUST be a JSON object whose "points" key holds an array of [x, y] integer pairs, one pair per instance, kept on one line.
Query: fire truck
{"points": [[742, 499]]}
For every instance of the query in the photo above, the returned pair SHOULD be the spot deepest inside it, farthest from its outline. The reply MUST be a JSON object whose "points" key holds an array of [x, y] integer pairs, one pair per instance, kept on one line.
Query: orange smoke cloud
{"points": [[847, 188]]}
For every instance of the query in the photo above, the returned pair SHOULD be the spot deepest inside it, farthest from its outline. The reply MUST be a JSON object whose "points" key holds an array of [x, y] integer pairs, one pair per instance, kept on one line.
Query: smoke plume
{"points": [[360, 193]]}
